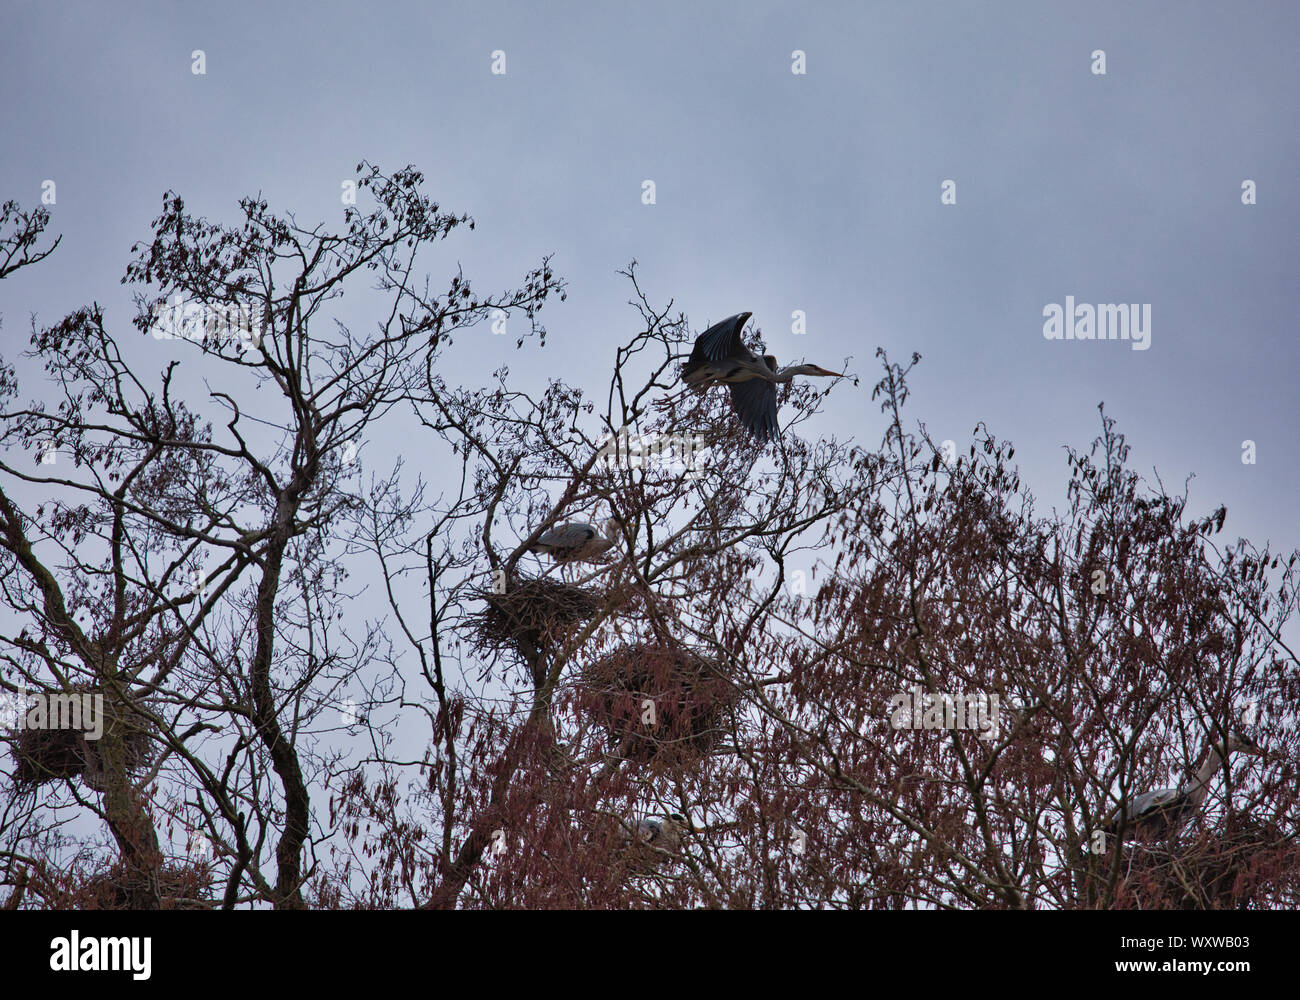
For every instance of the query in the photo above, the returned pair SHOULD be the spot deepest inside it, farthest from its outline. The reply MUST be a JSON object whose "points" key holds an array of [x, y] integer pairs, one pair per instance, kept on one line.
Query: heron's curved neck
{"points": [[1196, 791]]}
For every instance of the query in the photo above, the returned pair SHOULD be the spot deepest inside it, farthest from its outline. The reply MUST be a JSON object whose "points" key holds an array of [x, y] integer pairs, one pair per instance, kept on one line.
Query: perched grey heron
{"points": [[577, 541], [1161, 813], [651, 842], [663, 835], [721, 357]]}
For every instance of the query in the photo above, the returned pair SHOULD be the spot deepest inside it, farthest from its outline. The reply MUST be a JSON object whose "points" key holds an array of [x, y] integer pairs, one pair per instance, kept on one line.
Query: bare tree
{"points": [[227, 674]]}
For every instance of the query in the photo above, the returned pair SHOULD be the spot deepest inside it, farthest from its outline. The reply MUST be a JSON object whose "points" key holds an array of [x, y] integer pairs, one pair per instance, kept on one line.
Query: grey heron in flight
{"points": [[721, 357], [577, 541], [1162, 812]]}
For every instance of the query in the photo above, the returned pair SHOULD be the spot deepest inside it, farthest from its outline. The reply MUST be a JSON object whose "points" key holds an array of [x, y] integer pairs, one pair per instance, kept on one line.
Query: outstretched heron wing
{"points": [[755, 403], [721, 341]]}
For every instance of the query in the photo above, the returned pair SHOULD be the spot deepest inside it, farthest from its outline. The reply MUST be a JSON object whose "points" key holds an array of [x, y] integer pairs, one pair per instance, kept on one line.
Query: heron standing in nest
{"points": [[577, 541], [1163, 812]]}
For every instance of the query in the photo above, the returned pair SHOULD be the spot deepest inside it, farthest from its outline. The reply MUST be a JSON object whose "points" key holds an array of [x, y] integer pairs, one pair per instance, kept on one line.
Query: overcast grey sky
{"points": [[775, 191]]}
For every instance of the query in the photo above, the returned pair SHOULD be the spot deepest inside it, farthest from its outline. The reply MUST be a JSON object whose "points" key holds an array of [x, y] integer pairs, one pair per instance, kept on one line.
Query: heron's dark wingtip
{"points": [[763, 431]]}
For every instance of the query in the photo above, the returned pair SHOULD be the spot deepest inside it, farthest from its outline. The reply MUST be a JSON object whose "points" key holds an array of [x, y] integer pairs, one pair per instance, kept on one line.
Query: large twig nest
{"points": [[1242, 863], [52, 752], [531, 611], [1234, 869], [180, 887], [658, 702]]}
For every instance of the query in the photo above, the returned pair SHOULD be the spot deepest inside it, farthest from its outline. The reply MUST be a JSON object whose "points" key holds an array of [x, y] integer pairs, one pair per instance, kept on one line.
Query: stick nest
{"points": [[1241, 863], [180, 887], [532, 611], [50, 754], [1235, 869], [658, 703]]}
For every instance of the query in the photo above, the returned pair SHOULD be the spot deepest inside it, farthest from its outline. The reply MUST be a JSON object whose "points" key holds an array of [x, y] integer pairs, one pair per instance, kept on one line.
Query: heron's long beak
{"points": [[823, 371]]}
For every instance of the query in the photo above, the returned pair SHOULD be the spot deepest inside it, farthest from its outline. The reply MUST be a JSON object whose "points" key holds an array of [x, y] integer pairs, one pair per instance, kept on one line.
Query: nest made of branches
{"points": [[658, 702], [1236, 868], [532, 611], [1239, 865], [44, 754], [180, 887]]}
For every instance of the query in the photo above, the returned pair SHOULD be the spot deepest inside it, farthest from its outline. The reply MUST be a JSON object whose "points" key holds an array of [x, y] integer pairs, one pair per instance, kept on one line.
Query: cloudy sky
{"points": [[775, 191]]}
